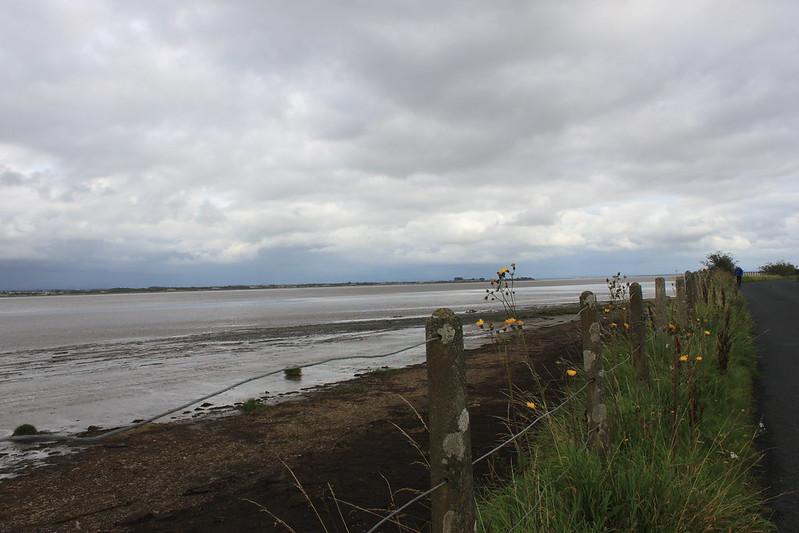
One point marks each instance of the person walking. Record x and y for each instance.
(739, 275)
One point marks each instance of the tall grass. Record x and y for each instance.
(682, 450)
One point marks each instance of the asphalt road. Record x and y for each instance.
(775, 309)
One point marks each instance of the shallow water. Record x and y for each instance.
(68, 362)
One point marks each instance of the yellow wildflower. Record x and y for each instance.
(684, 358)
(613, 325)
(503, 270)
(626, 325)
(571, 372)
(698, 357)
(707, 333)
(480, 323)
(531, 405)
(510, 321)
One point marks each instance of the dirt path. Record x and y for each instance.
(222, 474)
(774, 306)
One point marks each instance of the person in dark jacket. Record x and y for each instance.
(739, 275)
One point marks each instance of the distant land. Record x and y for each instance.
(137, 290)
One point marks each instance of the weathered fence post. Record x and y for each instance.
(592, 361)
(691, 296)
(638, 324)
(680, 311)
(450, 440)
(661, 314)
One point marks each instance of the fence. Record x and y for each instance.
(452, 488)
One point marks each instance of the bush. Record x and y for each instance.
(719, 260)
(780, 268)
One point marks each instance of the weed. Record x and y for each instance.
(253, 405)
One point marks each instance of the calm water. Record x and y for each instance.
(67, 362)
(52, 321)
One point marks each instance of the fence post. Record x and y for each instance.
(680, 309)
(691, 296)
(592, 362)
(638, 324)
(450, 437)
(661, 315)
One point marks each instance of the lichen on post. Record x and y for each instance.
(450, 436)
(597, 412)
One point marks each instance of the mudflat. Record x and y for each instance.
(354, 449)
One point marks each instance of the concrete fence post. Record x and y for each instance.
(691, 296)
(661, 313)
(450, 437)
(680, 311)
(638, 324)
(597, 411)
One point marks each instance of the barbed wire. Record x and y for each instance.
(58, 437)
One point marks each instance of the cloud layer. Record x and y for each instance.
(367, 139)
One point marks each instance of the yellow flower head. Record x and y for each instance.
(571, 372)
(613, 325)
(707, 333)
(684, 358)
(510, 321)
(626, 325)
(531, 405)
(698, 357)
(480, 323)
(503, 270)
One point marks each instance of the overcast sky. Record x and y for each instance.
(204, 142)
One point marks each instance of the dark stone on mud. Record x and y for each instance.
(206, 404)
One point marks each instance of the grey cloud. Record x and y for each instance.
(396, 136)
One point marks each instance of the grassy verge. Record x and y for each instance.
(682, 450)
(768, 277)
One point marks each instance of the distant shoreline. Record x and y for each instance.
(155, 289)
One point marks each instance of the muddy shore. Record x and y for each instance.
(349, 446)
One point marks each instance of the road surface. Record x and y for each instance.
(775, 308)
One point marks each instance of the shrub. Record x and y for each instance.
(780, 268)
(719, 260)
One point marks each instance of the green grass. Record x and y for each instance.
(251, 406)
(662, 474)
